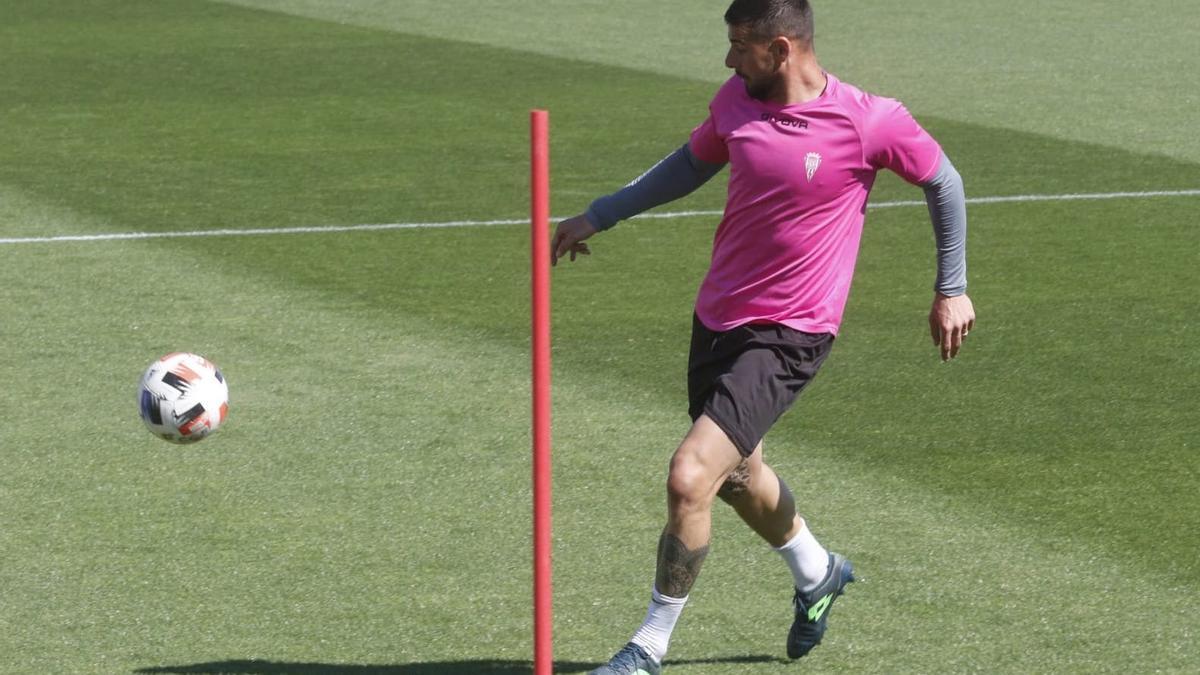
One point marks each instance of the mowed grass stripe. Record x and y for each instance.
(947, 66)
(207, 114)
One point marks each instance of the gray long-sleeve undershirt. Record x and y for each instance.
(681, 173)
(947, 202)
(676, 175)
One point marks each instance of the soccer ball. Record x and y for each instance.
(183, 398)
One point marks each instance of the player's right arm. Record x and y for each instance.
(677, 175)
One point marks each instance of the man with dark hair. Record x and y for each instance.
(803, 150)
(766, 19)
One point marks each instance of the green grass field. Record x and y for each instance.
(1030, 507)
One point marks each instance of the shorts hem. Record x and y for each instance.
(738, 443)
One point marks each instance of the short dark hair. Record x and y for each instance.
(768, 19)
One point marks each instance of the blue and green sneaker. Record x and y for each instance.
(812, 608)
(631, 660)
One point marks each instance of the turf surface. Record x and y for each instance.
(1030, 507)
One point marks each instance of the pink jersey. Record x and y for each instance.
(799, 177)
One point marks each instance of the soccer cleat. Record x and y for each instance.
(631, 660)
(812, 608)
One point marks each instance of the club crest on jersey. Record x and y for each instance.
(812, 161)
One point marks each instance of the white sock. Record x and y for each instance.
(808, 560)
(658, 625)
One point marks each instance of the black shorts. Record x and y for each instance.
(744, 379)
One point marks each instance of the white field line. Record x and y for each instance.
(325, 229)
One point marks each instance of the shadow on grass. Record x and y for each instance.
(252, 667)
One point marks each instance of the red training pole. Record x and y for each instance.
(543, 656)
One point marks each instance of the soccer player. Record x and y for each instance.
(803, 150)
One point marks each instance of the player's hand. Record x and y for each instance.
(950, 320)
(568, 238)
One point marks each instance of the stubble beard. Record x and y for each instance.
(760, 90)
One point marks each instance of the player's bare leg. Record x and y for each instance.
(765, 503)
(699, 466)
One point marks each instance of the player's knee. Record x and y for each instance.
(688, 482)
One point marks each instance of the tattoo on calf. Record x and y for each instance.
(678, 566)
(738, 482)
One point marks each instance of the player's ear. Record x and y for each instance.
(780, 48)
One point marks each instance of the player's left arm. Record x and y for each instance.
(952, 316)
(895, 141)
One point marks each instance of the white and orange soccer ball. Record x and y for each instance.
(183, 398)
